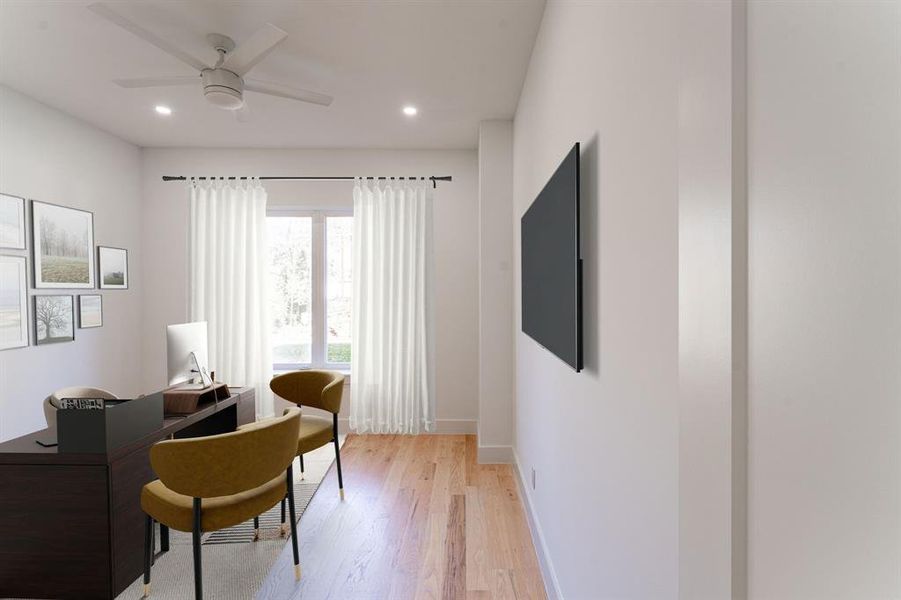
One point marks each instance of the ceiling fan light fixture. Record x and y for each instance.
(223, 88)
(223, 97)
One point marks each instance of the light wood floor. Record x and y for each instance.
(421, 519)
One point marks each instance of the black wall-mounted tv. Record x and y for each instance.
(552, 267)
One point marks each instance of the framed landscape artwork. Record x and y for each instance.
(113, 266)
(13, 302)
(63, 246)
(90, 311)
(12, 222)
(54, 319)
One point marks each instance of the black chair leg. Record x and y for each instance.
(284, 528)
(148, 553)
(301, 465)
(195, 534)
(290, 476)
(256, 528)
(337, 455)
(153, 545)
(164, 538)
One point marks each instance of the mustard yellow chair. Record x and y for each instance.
(316, 389)
(210, 483)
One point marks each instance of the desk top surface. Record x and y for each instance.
(26, 450)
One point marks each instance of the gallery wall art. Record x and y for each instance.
(63, 246)
(90, 311)
(112, 263)
(12, 222)
(54, 319)
(61, 250)
(13, 302)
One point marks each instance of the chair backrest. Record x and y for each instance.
(51, 402)
(318, 389)
(228, 463)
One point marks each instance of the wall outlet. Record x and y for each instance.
(533, 478)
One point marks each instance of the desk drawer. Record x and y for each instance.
(54, 531)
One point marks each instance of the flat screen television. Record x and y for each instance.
(552, 267)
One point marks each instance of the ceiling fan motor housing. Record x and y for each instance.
(223, 88)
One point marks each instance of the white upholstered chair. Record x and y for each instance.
(52, 402)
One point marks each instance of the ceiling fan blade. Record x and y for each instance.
(110, 15)
(284, 91)
(253, 50)
(144, 82)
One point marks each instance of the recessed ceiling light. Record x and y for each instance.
(410, 111)
(163, 110)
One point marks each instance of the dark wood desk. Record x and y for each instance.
(71, 525)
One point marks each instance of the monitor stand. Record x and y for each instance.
(205, 379)
(192, 386)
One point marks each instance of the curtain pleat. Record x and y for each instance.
(228, 282)
(393, 374)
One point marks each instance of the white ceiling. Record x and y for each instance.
(458, 61)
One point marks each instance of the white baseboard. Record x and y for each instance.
(495, 455)
(548, 574)
(442, 426)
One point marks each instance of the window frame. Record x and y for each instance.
(318, 283)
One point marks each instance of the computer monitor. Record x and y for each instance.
(186, 346)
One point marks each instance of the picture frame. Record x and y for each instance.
(12, 222)
(63, 240)
(54, 319)
(112, 268)
(13, 302)
(90, 311)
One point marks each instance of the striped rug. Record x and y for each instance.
(234, 566)
(269, 521)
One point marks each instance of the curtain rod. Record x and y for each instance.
(434, 179)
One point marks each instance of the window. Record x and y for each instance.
(310, 288)
(339, 285)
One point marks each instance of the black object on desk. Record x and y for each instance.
(89, 431)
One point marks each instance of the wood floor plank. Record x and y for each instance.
(421, 519)
(431, 575)
(477, 542)
(503, 588)
(455, 550)
(457, 482)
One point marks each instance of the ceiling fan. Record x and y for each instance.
(224, 83)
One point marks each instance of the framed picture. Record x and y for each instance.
(90, 311)
(12, 222)
(54, 319)
(13, 302)
(63, 246)
(113, 266)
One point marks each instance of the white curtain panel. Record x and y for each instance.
(392, 386)
(228, 282)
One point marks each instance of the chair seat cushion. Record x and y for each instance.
(177, 510)
(314, 433)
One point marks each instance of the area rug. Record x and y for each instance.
(234, 566)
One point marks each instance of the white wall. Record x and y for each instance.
(495, 291)
(165, 220)
(706, 105)
(645, 87)
(824, 129)
(48, 156)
